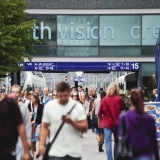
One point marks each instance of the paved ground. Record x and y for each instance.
(90, 148)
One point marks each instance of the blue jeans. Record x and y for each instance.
(143, 158)
(108, 142)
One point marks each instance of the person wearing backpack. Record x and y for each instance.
(140, 129)
(11, 126)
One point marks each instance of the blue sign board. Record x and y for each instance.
(81, 66)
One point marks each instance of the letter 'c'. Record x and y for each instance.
(132, 30)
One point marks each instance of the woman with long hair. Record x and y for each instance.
(75, 96)
(37, 111)
(140, 128)
(108, 116)
(54, 94)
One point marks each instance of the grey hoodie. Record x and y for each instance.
(27, 123)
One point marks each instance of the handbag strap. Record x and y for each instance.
(123, 126)
(59, 129)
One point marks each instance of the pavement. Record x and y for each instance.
(90, 148)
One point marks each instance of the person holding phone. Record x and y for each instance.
(68, 143)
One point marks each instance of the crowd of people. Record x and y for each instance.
(30, 119)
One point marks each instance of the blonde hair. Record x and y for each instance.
(16, 86)
(113, 89)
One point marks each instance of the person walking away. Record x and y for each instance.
(68, 143)
(45, 98)
(15, 93)
(108, 116)
(54, 94)
(11, 125)
(37, 112)
(99, 131)
(140, 128)
(86, 105)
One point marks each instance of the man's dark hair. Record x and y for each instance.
(102, 94)
(80, 86)
(63, 86)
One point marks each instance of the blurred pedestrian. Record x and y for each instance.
(140, 128)
(108, 114)
(36, 111)
(11, 126)
(80, 90)
(154, 95)
(45, 98)
(86, 105)
(68, 143)
(75, 96)
(99, 131)
(15, 92)
(54, 94)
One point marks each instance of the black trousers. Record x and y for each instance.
(7, 157)
(63, 158)
(89, 122)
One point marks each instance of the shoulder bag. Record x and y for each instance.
(49, 145)
(124, 150)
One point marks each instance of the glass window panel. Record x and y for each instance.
(148, 69)
(45, 30)
(77, 30)
(150, 29)
(44, 51)
(77, 51)
(120, 30)
(148, 51)
(120, 51)
(148, 77)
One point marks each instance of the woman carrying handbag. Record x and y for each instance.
(36, 109)
(140, 129)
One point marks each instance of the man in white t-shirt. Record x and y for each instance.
(68, 143)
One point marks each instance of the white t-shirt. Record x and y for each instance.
(68, 141)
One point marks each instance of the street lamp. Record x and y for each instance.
(79, 74)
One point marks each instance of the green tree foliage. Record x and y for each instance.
(16, 35)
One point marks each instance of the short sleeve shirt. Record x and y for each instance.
(68, 141)
(6, 132)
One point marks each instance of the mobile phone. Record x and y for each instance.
(63, 116)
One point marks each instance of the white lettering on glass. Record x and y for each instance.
(156, 31)
(144, 31)
(92, 32)
(63, 35)
(79, 30)
(132, 32)
(105, 32)
(34, 32)
(42, 31)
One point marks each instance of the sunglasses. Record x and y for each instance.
(55, 95)
(74, 95)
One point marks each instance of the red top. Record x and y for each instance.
(109, 111)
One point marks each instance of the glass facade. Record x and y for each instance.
(96, 35)
(148, 79)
